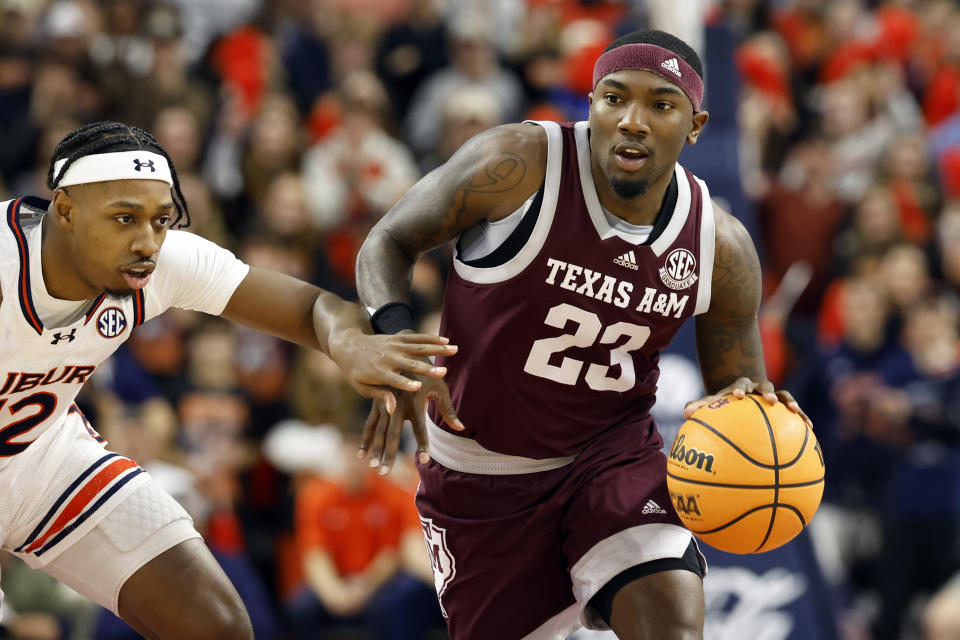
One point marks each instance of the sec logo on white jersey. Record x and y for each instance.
(111, 322)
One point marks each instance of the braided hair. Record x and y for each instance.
(108, 137)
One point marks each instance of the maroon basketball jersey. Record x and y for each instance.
(561, 342)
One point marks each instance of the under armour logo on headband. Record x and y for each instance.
(138, 164)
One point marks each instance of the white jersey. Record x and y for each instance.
(43, 367)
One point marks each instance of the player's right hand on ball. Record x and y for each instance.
(381, 432)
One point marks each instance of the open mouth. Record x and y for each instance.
(631, 156)
(137, 275)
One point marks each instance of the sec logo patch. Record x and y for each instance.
(679, 269)
(111, 322)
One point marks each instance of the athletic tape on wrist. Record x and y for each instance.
(392, 317)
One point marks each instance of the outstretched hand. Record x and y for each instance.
(381, 433)
(740, 388)
(372, 363)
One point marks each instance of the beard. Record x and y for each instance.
(120, 294)
(629, 189)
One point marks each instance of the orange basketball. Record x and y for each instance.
(745, 476)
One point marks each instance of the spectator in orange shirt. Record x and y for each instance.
(362, 549)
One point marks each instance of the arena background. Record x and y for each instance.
(295, 124)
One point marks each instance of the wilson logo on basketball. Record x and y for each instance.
(678, 270)
(111, 322)
(690, 456)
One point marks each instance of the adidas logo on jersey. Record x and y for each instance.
(671, 65)
(653, 507)
(627, 260)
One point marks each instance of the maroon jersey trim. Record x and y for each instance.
(678, 216)
(515, 265)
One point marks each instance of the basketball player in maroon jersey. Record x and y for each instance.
(581, 249)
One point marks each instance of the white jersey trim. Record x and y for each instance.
(559, 626)
(469, 456)
(480, 241)
(548, 208)
(622, 550)
(677, 218)
(708, 246)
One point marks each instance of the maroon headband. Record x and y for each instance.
(650, 57)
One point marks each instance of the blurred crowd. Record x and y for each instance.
(296, 124)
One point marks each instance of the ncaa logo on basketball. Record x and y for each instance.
(441, 560)
(678, 270)
(111, 322)
(686, 504)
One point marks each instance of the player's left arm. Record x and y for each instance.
(728, 334)
(288, 308)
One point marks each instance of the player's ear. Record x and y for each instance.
(699, 122)
(590, 99)
(63, 208)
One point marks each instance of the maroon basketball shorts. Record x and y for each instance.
(519, 555)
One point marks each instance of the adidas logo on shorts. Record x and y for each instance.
(671, 65)
(653, 507)
(627, 260)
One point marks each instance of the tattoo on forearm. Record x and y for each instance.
(729, 347)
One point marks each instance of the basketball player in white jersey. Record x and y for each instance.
(77, 275)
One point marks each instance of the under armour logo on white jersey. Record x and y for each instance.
(69, 337)
(140, 164)
(653, 507)
(671, 65)
(628, 260)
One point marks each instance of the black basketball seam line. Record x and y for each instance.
(732, 445)
(776, 472)
(803, 447)
(796, 511)
(746, 513)
(735, 520)
(708, 483)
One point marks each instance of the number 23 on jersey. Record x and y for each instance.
(588, 329)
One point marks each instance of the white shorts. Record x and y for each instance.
(142, 527)
(85, 515)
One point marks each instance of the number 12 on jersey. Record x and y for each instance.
(588, 328)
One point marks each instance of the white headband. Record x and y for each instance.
(120, 165)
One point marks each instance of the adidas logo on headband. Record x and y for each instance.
(649, 57)
(671, 65)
